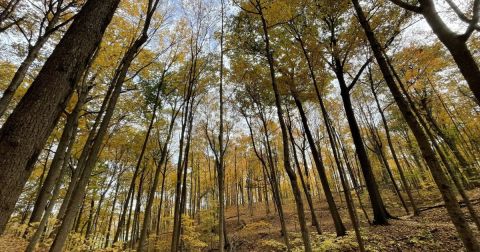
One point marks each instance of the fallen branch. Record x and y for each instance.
(462, 204)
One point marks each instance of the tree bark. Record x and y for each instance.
(110, 219)
(56, 10)
(148, 208)
(317, 157)
(306, 190)
(392, 149)
(26, 130)
(68, 136)
(380, 214)
(286, 153)
(453, 208)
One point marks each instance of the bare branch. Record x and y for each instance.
(407, 6)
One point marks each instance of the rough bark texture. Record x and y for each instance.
(54, 12)
(67, 137)
(25, 132)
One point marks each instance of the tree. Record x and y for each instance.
(28, 127)
(455, 43)
(258, 10)
(428, 153)
(57, 15)
(8, 15)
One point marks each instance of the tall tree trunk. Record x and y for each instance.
(306, 190)
(25, 132)
(138, 204)
(181, 164)
(90, 217)
(286, 152)
(221, 150)
(380, 214)
(60, 157)
(84, 155)
(112, 213)
(317, 158)
(162, 193)
(453, 208)
(100, 203)
(151, 196)
(392, 149)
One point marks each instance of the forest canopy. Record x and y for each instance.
(239, 125)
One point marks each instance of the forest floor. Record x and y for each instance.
(257, 231)
(431, 231)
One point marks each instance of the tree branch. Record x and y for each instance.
(407, 6)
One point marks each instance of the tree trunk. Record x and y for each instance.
(378, 150)
(110, 219)
(151, 195)
(317, 157)
(55, 194)
(25, 132)
(271, 176)
(286, 153)
(221, 150)
(392, 149)
(306, 190)
(181, 165)
(346, 190)
(162, 193)
(68, 136)
(455, 44)
(380, 214)
(453, 208)
(84, 155)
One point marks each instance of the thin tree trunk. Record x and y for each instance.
(55, 194)
(110, 220)
(317, 158)
(148, 208)
(67, 138)
(392, 149)
(221, 150)
(286, 153)
(306, 190)
(378, 149)
(272, 178)
(346, 191)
